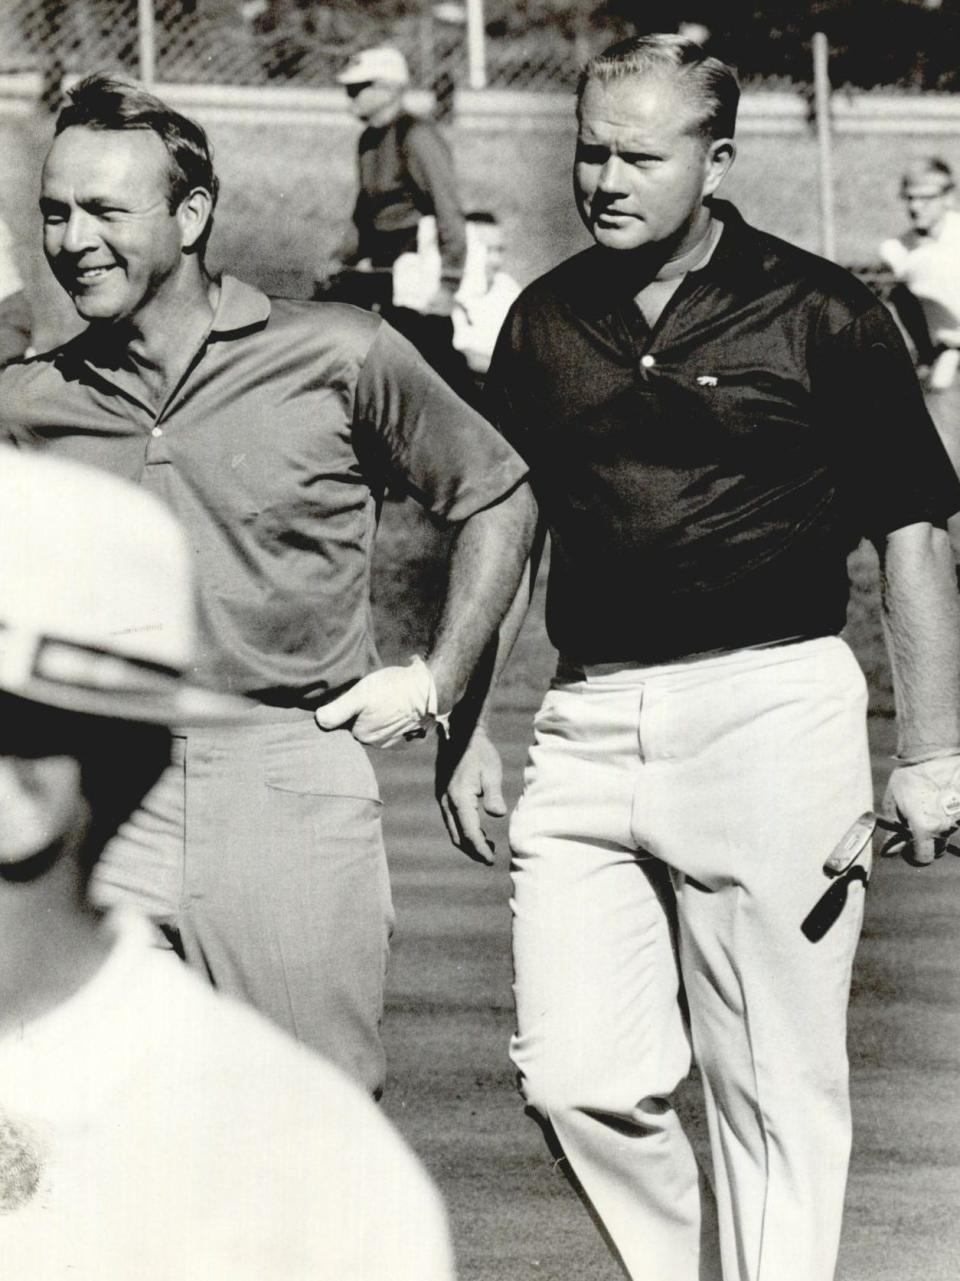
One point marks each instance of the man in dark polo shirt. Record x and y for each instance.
(271, 428)
(713, 419)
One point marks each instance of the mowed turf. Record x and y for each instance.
(451, 1088)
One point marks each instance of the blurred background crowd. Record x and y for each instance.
(536, 44)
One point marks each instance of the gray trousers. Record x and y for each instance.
(261, 848)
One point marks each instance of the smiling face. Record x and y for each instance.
(108, 232)
(642, 168)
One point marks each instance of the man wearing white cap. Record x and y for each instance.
(406, 180)
(147, 1124)
(272, 429)
(405, 173)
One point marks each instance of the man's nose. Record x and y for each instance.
(79, 232)
(611, 177)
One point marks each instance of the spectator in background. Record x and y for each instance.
(15, 318)
(486, 294)
(925, 260)
(405, 173)
(149, 1126)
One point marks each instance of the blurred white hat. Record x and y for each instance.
(382, 63)
(96, 596)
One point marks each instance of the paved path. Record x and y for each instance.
(452, 1091)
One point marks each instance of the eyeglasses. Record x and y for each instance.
(924, 197)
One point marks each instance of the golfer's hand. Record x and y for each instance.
(468, 778)
(926, 799)
(387, 708)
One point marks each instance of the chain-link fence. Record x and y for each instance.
(275, 42)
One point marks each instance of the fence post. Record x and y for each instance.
(476, 45)
(821, 88)
(146, 43)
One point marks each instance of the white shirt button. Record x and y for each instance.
(648, 361)
(156, 431)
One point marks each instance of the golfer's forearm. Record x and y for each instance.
(921, 613)
(486, 565)
(475, 708)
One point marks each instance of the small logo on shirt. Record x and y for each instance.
(706, 380)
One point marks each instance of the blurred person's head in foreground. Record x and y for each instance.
(376, 80)
(96, 639)
(127, 199)
(926, 189)
(656, 118)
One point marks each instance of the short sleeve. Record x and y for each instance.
(894, 467)
(425, 437)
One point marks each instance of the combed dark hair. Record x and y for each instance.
(103, 102)
(712, 84)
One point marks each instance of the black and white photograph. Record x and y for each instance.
(479, 640)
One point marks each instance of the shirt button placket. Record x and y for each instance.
(157, 445)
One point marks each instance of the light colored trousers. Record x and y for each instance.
(261, 847)
(669, 842)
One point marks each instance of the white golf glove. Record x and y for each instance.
(389, 707)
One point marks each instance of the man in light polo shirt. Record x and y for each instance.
(272, 429)
(713, 419)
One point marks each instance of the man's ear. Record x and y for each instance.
(720, 156)
(193, 214)
(41, 802)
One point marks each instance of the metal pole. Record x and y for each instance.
(428, 54)
(146, 42)
(821, 88)
(476, 45)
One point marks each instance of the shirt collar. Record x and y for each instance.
(240, 308)
(610, 279)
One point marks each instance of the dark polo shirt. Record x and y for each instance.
(274, 452)
(703, 481)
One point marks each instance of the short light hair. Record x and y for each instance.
(711, 84)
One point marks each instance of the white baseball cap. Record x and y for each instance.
(383, 64)
(96, 596)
